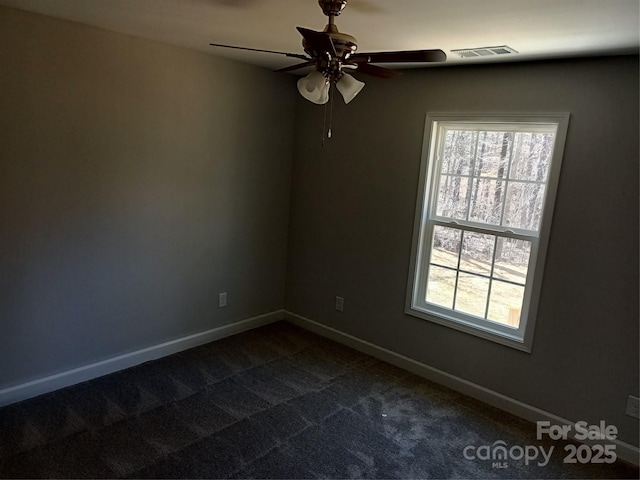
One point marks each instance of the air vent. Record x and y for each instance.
(483, 51)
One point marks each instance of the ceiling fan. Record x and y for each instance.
(333, 53)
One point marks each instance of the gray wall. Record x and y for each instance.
(137, 180)
(352, 216)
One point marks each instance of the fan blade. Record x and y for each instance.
(409, 56)
(318, 41)
(376, 71)
(295, 67)
(293, 55)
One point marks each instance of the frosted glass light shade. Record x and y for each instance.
(349, 87)
(314, 87)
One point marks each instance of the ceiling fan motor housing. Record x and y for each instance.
(345, 45)
(332, 7)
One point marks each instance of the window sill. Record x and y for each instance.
(485, 330)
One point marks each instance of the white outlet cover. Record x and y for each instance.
(222, 299)
(633, 406)
(339, 304)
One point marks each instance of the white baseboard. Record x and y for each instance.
(624, 451)
(120, 362)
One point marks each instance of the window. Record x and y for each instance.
(483, 216)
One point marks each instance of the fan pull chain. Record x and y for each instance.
(328, 105)
(324, 122)
(330, 114)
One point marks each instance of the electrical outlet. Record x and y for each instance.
(222, 299)
(340, 304)
(632, 407)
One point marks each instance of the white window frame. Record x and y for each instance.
(520, 338)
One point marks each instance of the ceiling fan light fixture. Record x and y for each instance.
(349, 87)
(314, 87)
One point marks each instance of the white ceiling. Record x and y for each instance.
(536, 29)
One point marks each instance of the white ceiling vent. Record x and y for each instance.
(483, 51)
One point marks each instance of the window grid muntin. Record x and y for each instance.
(490, 277)
(506, 177)
(515, 180)
(493, 266)
(472, 178)
(507, 232)
(432, 219)
(487, 276)
(472, 169)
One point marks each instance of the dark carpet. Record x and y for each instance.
(275, 402)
